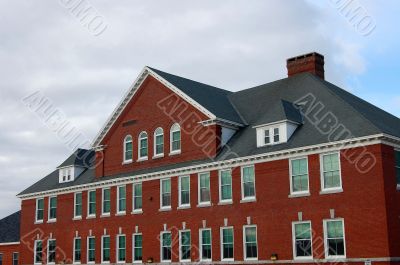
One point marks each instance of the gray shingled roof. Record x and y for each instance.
(81, 157)
(266, 103)
(9, 228)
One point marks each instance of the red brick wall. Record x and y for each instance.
(7, 252)
(364, 205)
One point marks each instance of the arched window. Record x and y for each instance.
(158, 142)
(143, 145)
(175, 138)
(128, 149)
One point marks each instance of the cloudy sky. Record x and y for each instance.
(84, 70)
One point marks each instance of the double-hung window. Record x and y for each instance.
(397, 166)
(205, 244)
(137, 247)
(335, 246)
(78, 205)
(175, 138)
(227, 243)
(92, 203)
(158, 142)
(38, 252)
(39, 210)
(106, 203)
(225, 186)
(105, 252)
(121, 248)
(15, 259)
(137, 197)
(299, 176)
(276, 135)
(204, 188)
(121, 201)
(77, 250)
(128, 155)
(143, 146)
(91, 249)
(166, 246)
(248, 183)
(331, 177)
(250, 248)
(52, 208)
(267, 138)
(184, 245)
(184, 191)
(51, 251)
(165, 193)
(302, 240)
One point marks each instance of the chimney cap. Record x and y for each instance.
(303, 56)
(312, 62)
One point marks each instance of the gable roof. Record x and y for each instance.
(9, 228)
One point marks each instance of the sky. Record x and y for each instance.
(84, 65)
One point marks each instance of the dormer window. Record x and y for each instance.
(66, 174)
(275, 133)
(267, 139)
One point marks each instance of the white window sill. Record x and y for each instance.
(141, 159)
(225, 202)
(120, 214)
(127, 162)
(309, 259)
(105, 215)
(38, 222)
(139, 211)
(173, 153)
(245, 200)
(105, 262)
(183, 207)
(165, 209)
(228, 260)
(335, 258)
(331, 191)
(250, 259)
(121, 262)
(166, 261)
(158, 156)
(185, 260)
(137, 262)
(205, 260)
(51, 221)
(77, 218)
(298, 195)
(91, 217)
(76, 263)
(207, 204)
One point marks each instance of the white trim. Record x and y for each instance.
(88, 215)
(155, 154)
(48, 251)
(186, 205)
(201, 243)
(244, 243)
(124, 160)
(35, 253)
(87, 250)
(51, 220)
(133, 248)
(321, 164)
(249, 198)
(77, 217)
(118, 211)
(225, 201)
(102, 249)
(309, 258)
(199, 202)
(327, 256)
(102, 202)
(37, 221)
(161, 247)
(146, 137)
(221, 246)
(9, 243)
(139, 210)
(73, 250)
(161, 193)
(180, 245)
(294, 194)
(274, 123)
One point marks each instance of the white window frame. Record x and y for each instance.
(89, 215)
(118, 197)
(138, 210)
(161, 246)
(396, 167)
(37, 211)
(321, 163)
(201, 243)
(102, 249)
(48, 251)
(225, 201)
(171, 131)
(143, 158)
(244, 242)
(74, 250)
(180, 245)
(75, 215)
(325, 221)
(102, 202)
(295, 257)
(125, 161)
(249, 198)
(49, 220)
(276, 134)
(13, 257)
(168, 207)
(204, 203)
(157, 155)
(307, 192)
(269, 136)
(222, 243)
(117, 248)
(186, 205)
(87, 250)
(35, 253)
(133, 248)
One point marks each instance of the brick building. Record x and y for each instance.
(293, 171)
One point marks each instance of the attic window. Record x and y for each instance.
(266, 137)
(276, 135)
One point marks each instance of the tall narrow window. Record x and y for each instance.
(166, 246)
(92, 203)
(158, 142)
(52, 208)
(15, 258)
(143, 145)
(397, 166)
(184, 245)
(137, 197)
(128, 154)
(106, 201)
(248, 183)
(39, 210)
(267, 138)
(175, 138)
(78, 205)
(1, 259)
(51, 251)
(105, 253)
(302, 240)
(227, 243)
(77, 250)
(225, 185)
(184, 191)
(121, 248)
(121, 202)
(166, 193)
(276, 135)
(250, 242)
(137, 247)
(205, 244)
(334, 238)
(331, 179)
(299, 176)
(91, 250)
(38, 251)
(204, 188)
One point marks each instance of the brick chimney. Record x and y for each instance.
(311, 63)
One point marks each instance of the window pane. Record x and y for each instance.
(335, 247)
(185, 245)
(121, 199)
(227, 242)
(137, 247)
(226, 185)
(335, 229)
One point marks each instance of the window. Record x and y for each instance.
(248, 183)
(105, 252)
(77, 250)
(52, 208)
(250, 242)
(15, 257)
(397, 166)
(137, 197)
(184, 191)
(276, 135)
(175, 138)
(225, 186)
(78, 205)
(106, 202)
(137, 247)
(205, 244)
(335, 246)
(331, 179)
(166, 193)
(184, 245)
(166, 246)
(51, 251)
(121, 248)
(302, 242)
(121, 202)
(91, 247)
(1, 259)
(267, 138)
(143, 145)
(158, 142)
(128, 154)
(299, 176)
(39, 210)
(204, 188)
(227, 243)
(38, 251)
(92, 203)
